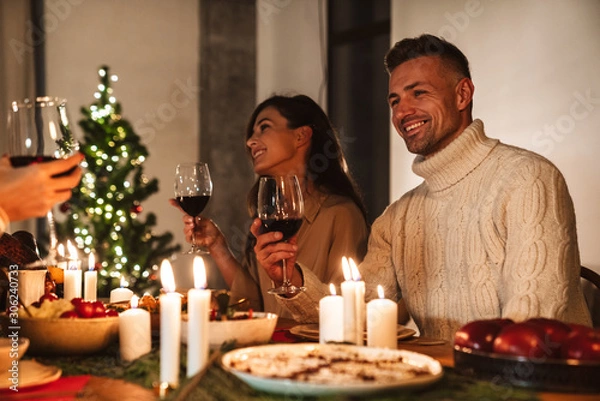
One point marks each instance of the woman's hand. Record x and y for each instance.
(31, 191)
(206, 233)
(270, 251)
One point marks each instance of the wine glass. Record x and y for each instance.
(281, 208)
(193, 188)
(38, 132)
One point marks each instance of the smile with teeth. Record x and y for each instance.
(258, 153)
(414, 126)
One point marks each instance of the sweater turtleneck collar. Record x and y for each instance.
(455, 161)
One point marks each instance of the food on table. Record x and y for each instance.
(537, 338)
(50, 306)
(480, 334)
(329, 365)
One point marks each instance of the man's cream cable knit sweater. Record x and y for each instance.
(489, 233)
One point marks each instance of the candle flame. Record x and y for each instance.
(123, 282)
(166, 276)
(332, 289)
(91, 261)
(199, 273)
(354, 270)
(61, 250)
(346, 269)
(134, 301)
(380, 291)
(72, 250)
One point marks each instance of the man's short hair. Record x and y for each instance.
(427, 45)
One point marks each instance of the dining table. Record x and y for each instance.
(105, 377)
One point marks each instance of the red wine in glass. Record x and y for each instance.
(193, 205)
(193, 188)
(22, 161)
(280, 207)
(287, 227)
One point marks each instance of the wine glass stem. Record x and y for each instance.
(286, 283)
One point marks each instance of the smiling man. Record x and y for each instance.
(490, 232)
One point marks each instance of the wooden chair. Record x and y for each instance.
(592, 294)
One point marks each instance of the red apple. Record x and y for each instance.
(556, 333)
(48, 296)
(111, 313)
(85, 309)
(479, 334)
(76, 301)
(99, 310)
(70, 314)
(522, 339)
(579, 328)
(583, 345)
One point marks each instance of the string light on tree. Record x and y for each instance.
(105, 211)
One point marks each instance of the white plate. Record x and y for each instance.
(275, 369)
(311, 332)
(30, 374)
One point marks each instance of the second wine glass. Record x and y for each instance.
(38, 132)
(193, 189)
(281, 208)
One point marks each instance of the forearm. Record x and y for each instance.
(228, 265)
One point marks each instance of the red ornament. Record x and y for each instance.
(137, 208)
(65, 207)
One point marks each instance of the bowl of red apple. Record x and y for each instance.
(55, 326)
(540, 353)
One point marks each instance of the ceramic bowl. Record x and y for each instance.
(66, 336)
(11, 350)
(257, 330)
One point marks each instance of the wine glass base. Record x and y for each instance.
(289, 289)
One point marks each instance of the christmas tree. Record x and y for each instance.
(103, 214)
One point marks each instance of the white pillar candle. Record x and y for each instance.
(134, 332)
(121, 294)
(198, 306)
(331, 318)
(90, 282)
(170, 327)
(360, 302)
(349, 296)
(382, 321)
(72, 278)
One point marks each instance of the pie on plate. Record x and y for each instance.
(323, 369)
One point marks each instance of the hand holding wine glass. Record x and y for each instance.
(280, 208)
(39, 132)
(193, 188)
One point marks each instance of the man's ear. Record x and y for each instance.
(304, 135)
(464, 93)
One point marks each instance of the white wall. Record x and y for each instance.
(152, 46)
(291, 48)
(535, 68)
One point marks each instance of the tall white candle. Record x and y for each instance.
(198, 317)
(72, 278)
(90, 282)
(134, 332)
(170, 327)
(121, 294)
(349, 295)
(382, 321)
(360, 302)
(331, 317)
